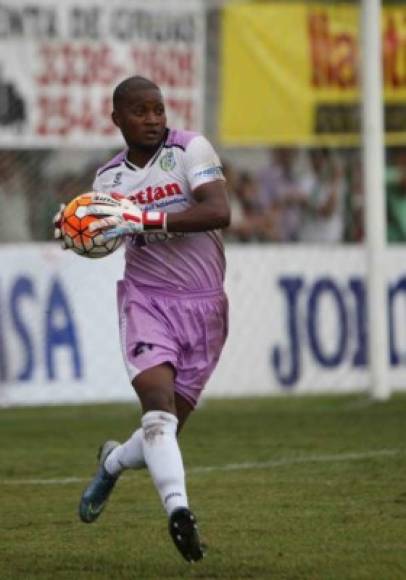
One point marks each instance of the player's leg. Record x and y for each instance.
(139, 329)
(127, 455)
(183, 410)
(156, 390)
(114, 458)
(205, 326)
(130, 454)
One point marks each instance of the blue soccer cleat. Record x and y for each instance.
(95, 496)
(183, 529)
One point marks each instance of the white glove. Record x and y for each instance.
(108, 201)
(125, 218)
(57, 221)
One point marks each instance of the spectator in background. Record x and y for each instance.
(64, 188)
(58, 189)
(323, 218)
(280, 192)
(396, 194)
(69, 185)
(249, 221)
(56, 176)
(15, 223)
(354, 200)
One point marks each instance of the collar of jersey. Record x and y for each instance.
(153, 158)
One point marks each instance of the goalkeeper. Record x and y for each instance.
(167, 195)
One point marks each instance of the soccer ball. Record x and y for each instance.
(75, 232)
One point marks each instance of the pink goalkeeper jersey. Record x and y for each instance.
(172, 262)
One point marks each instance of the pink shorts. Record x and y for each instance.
(188, 332)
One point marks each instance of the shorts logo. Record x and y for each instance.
(167, 161)
(142, 347)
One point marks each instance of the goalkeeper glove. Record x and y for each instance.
(57, 221)
(125, 218)
(104, 199)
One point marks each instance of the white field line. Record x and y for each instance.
(233, 466)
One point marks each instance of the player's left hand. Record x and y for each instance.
(125, 218)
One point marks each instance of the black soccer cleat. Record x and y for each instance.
(183, 529)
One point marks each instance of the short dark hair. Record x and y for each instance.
(130, 84)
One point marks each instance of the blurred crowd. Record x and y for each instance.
(33, 185)
(299, 195)
(312, 196)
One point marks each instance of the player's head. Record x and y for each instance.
(139, 112)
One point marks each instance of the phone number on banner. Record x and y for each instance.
(74, 83)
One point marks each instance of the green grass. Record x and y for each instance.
(319, 501)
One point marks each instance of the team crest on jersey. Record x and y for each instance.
(117, 178)
(167, 161)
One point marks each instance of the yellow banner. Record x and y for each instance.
(290, 74)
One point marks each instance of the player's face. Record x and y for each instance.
(141, 118)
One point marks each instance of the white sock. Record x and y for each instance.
(163, 458)
(129, 455)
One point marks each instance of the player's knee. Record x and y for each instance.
(156, 424)
(156, 390)
(156, 399)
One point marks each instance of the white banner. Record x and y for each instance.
(297, 324)
(60, 61)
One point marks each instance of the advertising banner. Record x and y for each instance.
(298, 324)
(60, 61)
(293, 70)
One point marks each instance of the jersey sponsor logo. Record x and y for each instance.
(141, 240)
(151, 194)
(214, 172)
(167, 161)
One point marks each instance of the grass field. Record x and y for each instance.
(285, 488)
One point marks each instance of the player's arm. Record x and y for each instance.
(211, 209)
(210, 212)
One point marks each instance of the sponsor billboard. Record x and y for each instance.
(60, 61)
(298, 324)
(293, 70)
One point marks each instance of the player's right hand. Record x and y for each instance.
(107, 200)
(57, 221)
